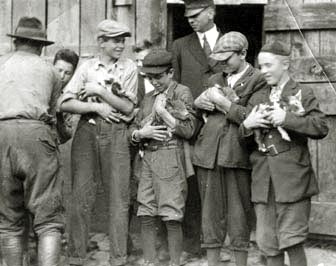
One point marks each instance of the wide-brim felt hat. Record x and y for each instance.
(31, 28)
(194, 7)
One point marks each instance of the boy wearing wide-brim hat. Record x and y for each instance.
(283, 180)
(163, 185)
(222, 163)
(100, 149)
(29, 166)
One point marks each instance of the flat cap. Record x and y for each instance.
(277, 48)
(112, 28)
(156, 61)
(193, 7)
(229, 43)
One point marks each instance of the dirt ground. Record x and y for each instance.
(319, 253)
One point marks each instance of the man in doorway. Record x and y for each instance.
(29, 168)
(100, 154)
(193, 67)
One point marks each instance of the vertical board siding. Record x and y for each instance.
(92, 12)
(5, 25)
(63, 25)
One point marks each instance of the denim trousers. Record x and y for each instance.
(100, 156)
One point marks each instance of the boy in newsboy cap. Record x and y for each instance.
(100, 151)
(162, 186)
(223, 168)
(283, 180)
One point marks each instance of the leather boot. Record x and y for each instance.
(12, 250)
(49, 249)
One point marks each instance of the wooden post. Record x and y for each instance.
(151, 21)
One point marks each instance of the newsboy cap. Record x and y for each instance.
(229, 43)
(31, 28)
(112, 28)
(194, 7)
(277, 48)
(156, 61)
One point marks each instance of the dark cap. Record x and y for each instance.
(112, 28)
(31, 28)
(277, 48)
(194, 7)
(157, 61)
(229, 43)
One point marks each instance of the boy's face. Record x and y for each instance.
(114, 47)
(65, 70)
(234, 63)
(272, 67)
(161, 81)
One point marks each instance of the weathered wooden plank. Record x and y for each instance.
(63, 25)
(222, 2)
(327, 164)
(123, 2)
(91, 14)
(5, 25)
(322, 218)
(327, 42)
(151, 26)
(326, 95)
(306, 16)
(126, 15)
(35, 8)
(306, 69)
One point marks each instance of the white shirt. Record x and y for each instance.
(233, 78)
(211, 36)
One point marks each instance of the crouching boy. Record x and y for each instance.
(164, 122)
(283, 180)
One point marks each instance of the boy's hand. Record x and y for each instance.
(214, 94)
(256, 119)
(276, 116)
(107, 112)
(153, 132)
(91, 89)
(203, 102)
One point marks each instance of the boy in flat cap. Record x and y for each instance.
(193, 67)
(100, 150)
(161, 127)
(223, 167)
(29, 166)
(283, 180)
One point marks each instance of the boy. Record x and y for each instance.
(162, 188)
(223, 169)
(100, 148)
(283, 180)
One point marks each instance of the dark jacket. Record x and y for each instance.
(218, 141)
(192, 68)
(287, 164)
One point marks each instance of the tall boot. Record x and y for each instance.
(49, 249)
(12, 250)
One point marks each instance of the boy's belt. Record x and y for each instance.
(163, 145)
(275, 149)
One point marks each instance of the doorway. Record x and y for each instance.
(247, 19)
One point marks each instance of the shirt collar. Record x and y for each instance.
(211, 35)
(282, 84)
(118, 64)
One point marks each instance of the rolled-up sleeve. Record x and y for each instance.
(130, 82)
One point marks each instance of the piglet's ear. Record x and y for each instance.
(298, 95)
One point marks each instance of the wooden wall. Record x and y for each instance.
(314, 64)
